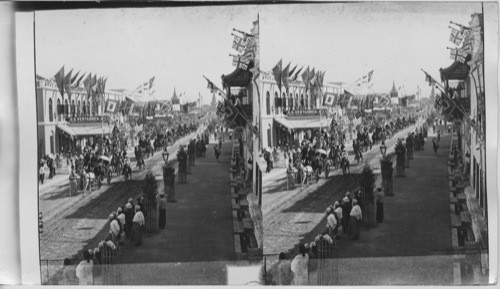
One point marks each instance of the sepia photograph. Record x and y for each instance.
(306, 144)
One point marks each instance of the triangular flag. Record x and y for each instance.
(305, 77)
(60, 80)
(292, 71)
(284, 77)
(277, 70)
(67, 83)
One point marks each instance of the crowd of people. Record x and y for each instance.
(317, 154)
(344, 217)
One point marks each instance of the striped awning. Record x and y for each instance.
(304, 123)
(86, 129)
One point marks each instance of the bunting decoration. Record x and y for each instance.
(60, 80)
(277, 70)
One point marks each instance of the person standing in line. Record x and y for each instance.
(129, 216)
(355, 218)
(84, 270)
(300, 267)
(114, 228)
(379, 194)
(338, 210)
(41, 173)
(69, 274)
(217, 152)
(284, 270)
(162, 207)
(137, 224)
(331, 222)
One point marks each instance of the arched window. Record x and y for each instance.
(302, 101)
(276, 102)
(78, 108)
(268, 103)
(284, 101)
(59, 110)
(290, 101)
(73, 108)
(51, 110)
(84, 108)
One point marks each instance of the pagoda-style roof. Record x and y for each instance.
(238, 78)
(456, 71)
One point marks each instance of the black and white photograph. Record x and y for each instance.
(373, 143)
(146, 174)
(250, 143)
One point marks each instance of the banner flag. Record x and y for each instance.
(60, 80)
(284, 77)
(305, 77)
(111, 106)
(277, 70)
(67, 83)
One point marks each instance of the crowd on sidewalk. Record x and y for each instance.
(344, 217)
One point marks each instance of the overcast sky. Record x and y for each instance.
(180, 45)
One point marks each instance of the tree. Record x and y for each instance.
(150, 190)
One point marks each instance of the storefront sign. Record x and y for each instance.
(88, 119)
(307, 112)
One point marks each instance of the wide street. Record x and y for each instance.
(78, 222)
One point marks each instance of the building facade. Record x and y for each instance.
(286, 116)
(66, 123)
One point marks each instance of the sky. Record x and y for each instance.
(179, 45)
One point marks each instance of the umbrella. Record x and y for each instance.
(321, 151)
(51, 156)
(104, 158)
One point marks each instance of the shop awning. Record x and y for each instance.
(456, 71)
(85, 130)
(303, 123)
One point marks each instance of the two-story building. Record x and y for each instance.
(67, 123)
(464, 83)
(288, 116)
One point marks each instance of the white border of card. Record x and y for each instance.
(28, 195)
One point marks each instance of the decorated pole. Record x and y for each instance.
(386, 168)
(400, 158)
(182, 158)
(150, 190)
(169, 182)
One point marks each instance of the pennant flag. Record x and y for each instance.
(305, 77)
(297, 73)
(67, 83)
(93, 83)
(370, 76)
(347, 98)
(79, 80)
(151, 82)
(111, 106)
(255, 29)
(292, 71)
(311, 75)
(73, 79)
(284, 77)
(211, 86)
(456, 36)
(239, 44)
(60, 80)
(329, 99)
(277, 70)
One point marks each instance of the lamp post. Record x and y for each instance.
(386, 168)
